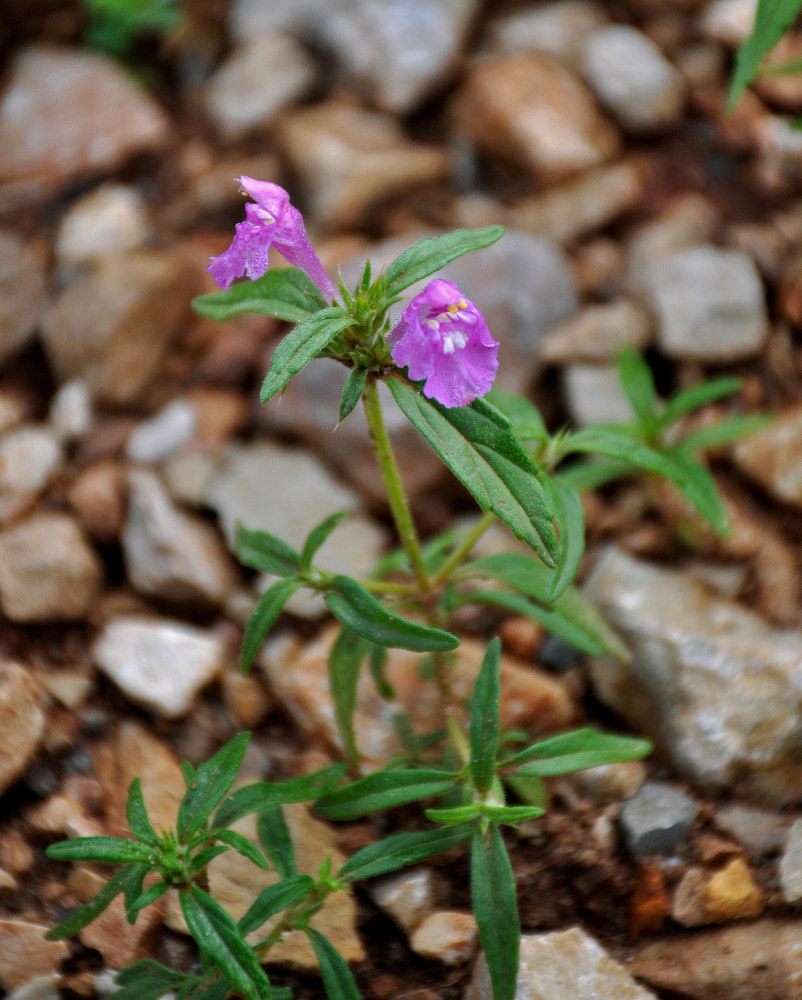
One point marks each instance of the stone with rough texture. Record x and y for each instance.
(791, 865)
(657, 818)
(299, 677)
(633, 79)
(159, 663)
(773, 457)
(450, 937)
(97, 497)
(564, 965)
(39, 988)
(745, 962)
(112, 327)
(171, 554)
(594, 395)
(111, 219)
(730, 893)
(164, 433)
(407, 896)
(48, 572)
(715, 686)
(22, 720)
(532, 110)
(556, 28)
(90, 116)
(250, 17)
(423, 36)
(260, 77)
(71, 412)
(597, 333)
(349, 159)
(23, 292)
(24, 953)
(30, 457)
(709, 303)
(235, 882)
(761, 831)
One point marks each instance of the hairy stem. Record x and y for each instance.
(396, 495)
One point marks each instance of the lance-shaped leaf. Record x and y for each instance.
(773, 17)
(146, 898)
(108, 850)
(400, 850)
(432, 253)
(242, 846)
(484, 723)
(317, 536)
(302, 344)
(496, 910)
(209, 784)
(137, 814)
(273, 900)
(358, 610)
(285, 293)
(479, 446)
(265, 552)
(254, 798)
(148, 980)
(569, 516)
(352, 392)
(697, 396)
(637, 382)
(345, 661)
(575, 751)
(219, 938)
(384, 790)
(268, 608)
(85, 914)
(274, 836)
(337, 978)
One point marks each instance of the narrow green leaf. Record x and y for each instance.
(274, 836)
(496, 910)
(134, 883)
(85, 914)
(531, 790)
(400, 850)
(773, 17)
(300, 345)
(137, 814)
(268, 608)
(273, 900)
(265, 552)
(590, 475)
(484, 722)
(352, 392)
(637, 382)
(384, 790)
(337, 978)
(317, 536)
(431, 254)
(148, 980)
(575, 751)
(455, 815)
(219, 938)
(377, 661)
(345, 661)
(512, 814)
(254, 798)
(699, 486)
(205, 857)
(727, 431)
(524, 416)
(569, 515)
(697, 396)
(480, 450)
(146, 898)
(107, 850)
(358, 610)
(210, 784)
(242, 846)
(285, 293)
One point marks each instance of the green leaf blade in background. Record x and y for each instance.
(352, 392)
(264, 617)
(137, 814)
(266, 553)
(345, 662)
(637, 382)
(338, 980)
(273, 900)
(358, 610)
(494, 467)
(384, 790)
(209, 786)
(432, 253)
(263, 794)
(569, 516)
(147, 980)
(496, 910)
(301, 345)
(284, 292)
(484, 720)
(317, 537)
(773, 17)
(275, 838)
(576, 751)
(400, 850)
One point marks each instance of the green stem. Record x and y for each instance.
(396, 496)
(464, 547)
(389, 587)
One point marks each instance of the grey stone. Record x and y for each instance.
(773, 457)
(111, 219)
(593, 395)
(761, 831)
(397, 52)
(558, 29)
(159, 663)
(633, 79)
(30, 457)
(40, 988)
(70, 112)
(728, 21)
(259, 78)
(564, 965)
(171, 554)
(250, 17)
(760, 959)
(657, 818)
(22, 720)
(48, 571)
(791, 865)
(164, 433)
(23, 292)
(710, 305)
(715, 686)
(597, 333)
(407, 897)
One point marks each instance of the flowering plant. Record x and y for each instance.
(438, 361)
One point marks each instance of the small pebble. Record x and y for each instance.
(657, 818)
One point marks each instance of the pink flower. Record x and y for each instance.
(444, 339)
(271, 221)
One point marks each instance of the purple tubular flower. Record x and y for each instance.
(443, 338)
(271, 221)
